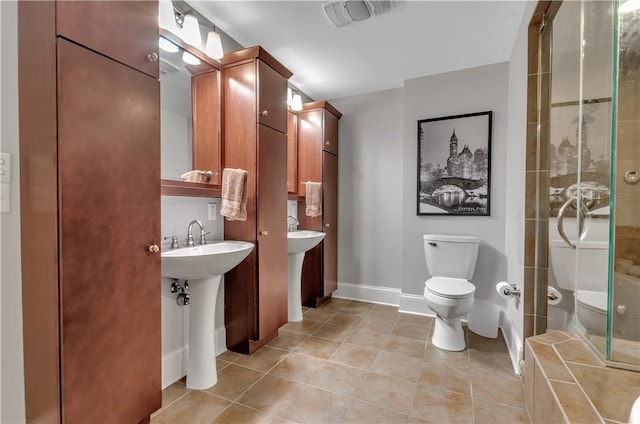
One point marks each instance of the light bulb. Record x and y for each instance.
(167, 45)
(214, 46)
(190, 59)
(191, 31)
(296, 102)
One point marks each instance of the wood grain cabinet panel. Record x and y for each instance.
(126, 31)
(256, 290)
(318, 161)
(292, 152)
(205, 94)
(90, 208)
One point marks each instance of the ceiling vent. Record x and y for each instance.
(342, 13)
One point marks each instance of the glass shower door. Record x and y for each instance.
(580, 161)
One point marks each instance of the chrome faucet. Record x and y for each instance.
(190, 242)
(293, 226)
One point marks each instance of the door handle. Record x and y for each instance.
(581, 211)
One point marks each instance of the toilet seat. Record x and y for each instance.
(451, 288)
(593, 300)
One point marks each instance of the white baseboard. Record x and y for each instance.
(366, 293)
(174, 366)
(512, 339)
(174, 363)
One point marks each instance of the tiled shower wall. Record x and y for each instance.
(536, 267)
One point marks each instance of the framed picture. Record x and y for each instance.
(454, 158)
(587, 160)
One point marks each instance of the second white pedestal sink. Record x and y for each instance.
(203, 266)
(298, 242)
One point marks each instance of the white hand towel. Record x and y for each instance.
(234, 194)
(313, 199)
(191, 176)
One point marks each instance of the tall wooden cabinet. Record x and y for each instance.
(255, 126)
(90, 210)
(318, 161)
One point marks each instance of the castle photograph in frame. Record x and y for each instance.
(454, 158)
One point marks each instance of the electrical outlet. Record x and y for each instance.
(212, 211)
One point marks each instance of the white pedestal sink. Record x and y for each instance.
(203, 266)
(298, 242)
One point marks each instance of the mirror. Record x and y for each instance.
(190, 119)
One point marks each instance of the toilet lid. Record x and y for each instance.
(592, 299)
(453, 288)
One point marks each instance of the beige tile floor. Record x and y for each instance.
(355, 362)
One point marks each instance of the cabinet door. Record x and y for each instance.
(330, 200)
(292, 152)
(309, 151)
(205, 93)
(109, 188)
(272, 231)
(272, 98)
(126, 31)
(330, 132)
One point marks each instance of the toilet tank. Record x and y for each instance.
(589, 272)
(451, 256)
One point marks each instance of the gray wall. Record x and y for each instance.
(11, 363)
(471, 90)
(370, 175)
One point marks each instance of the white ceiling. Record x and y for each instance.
(414, 39)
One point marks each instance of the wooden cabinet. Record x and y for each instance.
(255, 105)
(318, 161)
(292, 152)
(126, 31)
(205, 93)
(90, 209)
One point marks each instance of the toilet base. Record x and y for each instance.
(448, 334)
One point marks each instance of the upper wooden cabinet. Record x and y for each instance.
(292, 152)
(318, 162)
(255, 92)
(126, 31)
(205, 92)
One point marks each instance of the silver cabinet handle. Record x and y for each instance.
(582, 211)
(264, 113)
(152, 57)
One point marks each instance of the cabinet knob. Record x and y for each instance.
(264, 113)
(327, 225)
(152, 57)
(264, 233)
(153, 248)
(327, 143)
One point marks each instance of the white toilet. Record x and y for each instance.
(451, 261)
(591, 274)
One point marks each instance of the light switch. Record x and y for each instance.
(5, 167)
(5, 197)
(212, 211)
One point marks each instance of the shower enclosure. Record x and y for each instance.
(588, 98)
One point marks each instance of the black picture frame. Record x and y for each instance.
(454, 165)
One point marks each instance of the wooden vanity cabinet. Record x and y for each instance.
(90, 225)
(318, 161)
(255, 105)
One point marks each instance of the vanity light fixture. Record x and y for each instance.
(629, 6)
(190, 59)
(167, 45)
(213, 48)
(191, 31)
(296, 103)
(167, 17)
